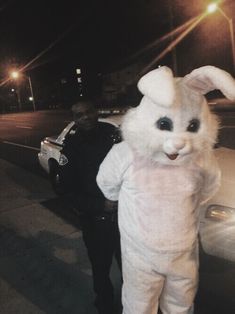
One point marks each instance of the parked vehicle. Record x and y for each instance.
(221, 104)
(49, 155)
(217, 225)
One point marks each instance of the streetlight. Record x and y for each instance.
(15, 75)
(211, 8)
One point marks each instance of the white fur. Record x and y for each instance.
(160, 175)
(148, 85)
(208, 78)
(183, 104)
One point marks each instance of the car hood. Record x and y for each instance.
(226, 159)
(53, 139)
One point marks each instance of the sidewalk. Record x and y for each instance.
(43, 261)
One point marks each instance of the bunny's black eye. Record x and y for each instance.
(164, 124)
(193, 126)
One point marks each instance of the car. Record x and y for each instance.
(221, 104)
(217, 224)
(49, 156)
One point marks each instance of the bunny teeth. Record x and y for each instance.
(173, 156)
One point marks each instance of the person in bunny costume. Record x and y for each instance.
(161, 174)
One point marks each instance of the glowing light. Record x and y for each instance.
(15, 74)
(31, 98)
(212, 7)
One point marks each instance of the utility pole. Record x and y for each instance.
(31, 91)
(173, 52)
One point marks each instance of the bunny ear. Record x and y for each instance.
(158, 85)
(208, 78)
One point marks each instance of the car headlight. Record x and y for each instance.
(220, 213)
(63, 160)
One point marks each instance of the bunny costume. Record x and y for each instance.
(160, 174)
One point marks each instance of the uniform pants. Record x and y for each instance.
(102, 240)
(153, 280)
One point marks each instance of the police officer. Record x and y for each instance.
(83, 151)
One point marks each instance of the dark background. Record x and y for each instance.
(50, 39)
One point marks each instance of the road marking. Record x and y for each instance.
(23, 127)
(7, 119)
(20, 145)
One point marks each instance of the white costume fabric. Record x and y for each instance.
(160, 174)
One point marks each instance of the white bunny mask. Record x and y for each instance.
(173, 124)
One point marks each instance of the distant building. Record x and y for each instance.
(119, 86)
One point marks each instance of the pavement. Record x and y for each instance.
(43, 262)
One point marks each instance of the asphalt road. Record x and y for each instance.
(20, 136)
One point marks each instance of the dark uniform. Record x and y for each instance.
(85, 150)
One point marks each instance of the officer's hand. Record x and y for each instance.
(110, 206)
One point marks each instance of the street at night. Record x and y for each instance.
(44, 267)
(77, 77)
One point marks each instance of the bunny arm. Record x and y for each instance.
(112, 169)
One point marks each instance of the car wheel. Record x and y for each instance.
(55, 178)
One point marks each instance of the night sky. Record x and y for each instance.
(95, 32)
(101, 34)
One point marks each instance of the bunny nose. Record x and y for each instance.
(179, 144)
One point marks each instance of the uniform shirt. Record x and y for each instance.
(85, 150)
